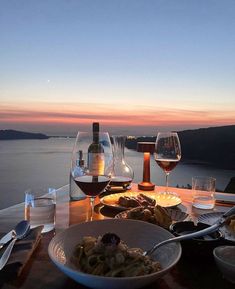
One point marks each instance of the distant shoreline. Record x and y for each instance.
(213, 146)
(10, 134)
(21, 135)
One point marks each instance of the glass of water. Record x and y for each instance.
(41, 210)
(203, 192)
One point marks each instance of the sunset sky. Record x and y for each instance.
(135, 66)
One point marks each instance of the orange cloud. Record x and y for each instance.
(111, 115)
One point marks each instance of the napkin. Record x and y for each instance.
(21, 253)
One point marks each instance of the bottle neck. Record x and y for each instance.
(80, 159)
(95, 130)
(96, 137)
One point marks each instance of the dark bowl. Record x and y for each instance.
(197, 247)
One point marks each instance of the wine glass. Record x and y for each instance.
(92, 164)
(167, 152)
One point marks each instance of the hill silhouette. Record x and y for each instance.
(10, 134)
(213, 146)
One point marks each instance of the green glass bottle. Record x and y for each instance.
(96, 153)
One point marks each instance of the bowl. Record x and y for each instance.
(133, 233)
(225, 260)
(201, 246)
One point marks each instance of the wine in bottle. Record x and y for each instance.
(96, 153)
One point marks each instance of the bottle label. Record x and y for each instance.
(96, 163)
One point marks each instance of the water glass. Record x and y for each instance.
(41, 210)
(203, 192)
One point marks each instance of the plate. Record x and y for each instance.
(132, 232)
(165, 200)
(211, 218)
(175, 214)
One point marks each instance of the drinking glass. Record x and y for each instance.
(41, 210)
(167, 152)
(203, 192)
(92, 165)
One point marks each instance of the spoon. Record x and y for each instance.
(5, 239)
(220, 222)
(20, 231)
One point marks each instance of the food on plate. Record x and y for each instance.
(142, 214)
(162, 217)
(156, 215)
(231, 223)
(139, 200)
(110, 257)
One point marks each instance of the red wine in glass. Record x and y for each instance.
(92, 186)
(167, 165)
(167, 152)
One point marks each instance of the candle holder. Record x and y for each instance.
(147, 148)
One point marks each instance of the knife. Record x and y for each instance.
(6, 238)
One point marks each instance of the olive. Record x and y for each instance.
(110, 239)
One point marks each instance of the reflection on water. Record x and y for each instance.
(39, 164)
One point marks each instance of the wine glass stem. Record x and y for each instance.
(167, 182)
(92, 200)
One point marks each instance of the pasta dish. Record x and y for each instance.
(110, 257)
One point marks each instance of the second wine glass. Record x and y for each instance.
(92, 164)
(167, 152)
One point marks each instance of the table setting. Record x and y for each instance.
(102, 200)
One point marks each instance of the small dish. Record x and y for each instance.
(203, 245)
(225, 260)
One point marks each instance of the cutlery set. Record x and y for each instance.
(19, 232)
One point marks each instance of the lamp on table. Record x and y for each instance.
(147, 148)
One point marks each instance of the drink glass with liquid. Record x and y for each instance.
(203, 192)
(41, 210)
(92, 164)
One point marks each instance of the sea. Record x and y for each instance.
(42, 164)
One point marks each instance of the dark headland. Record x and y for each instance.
(10, 134)
(213, 146)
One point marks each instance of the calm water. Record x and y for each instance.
(39, 164)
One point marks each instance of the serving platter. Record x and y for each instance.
(211, 218)
(165, 200)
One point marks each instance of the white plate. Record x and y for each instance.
(163, 199)
(211, 218)
(133, 233)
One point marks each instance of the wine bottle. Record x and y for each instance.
(96, 153)
(75, 193)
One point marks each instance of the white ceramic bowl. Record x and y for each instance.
(133, 233)
(225, 260)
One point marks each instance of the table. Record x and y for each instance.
(41, 273)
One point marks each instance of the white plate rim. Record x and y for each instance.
(150, 194)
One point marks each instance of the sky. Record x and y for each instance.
(136, 66)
